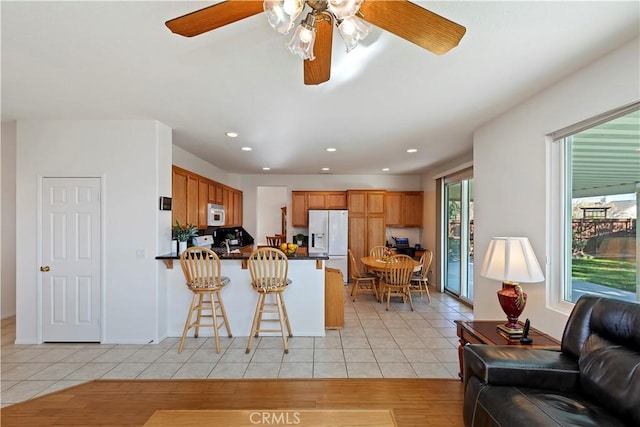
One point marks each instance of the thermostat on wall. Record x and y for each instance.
(165, 203)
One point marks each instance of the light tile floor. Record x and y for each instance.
(376, 343)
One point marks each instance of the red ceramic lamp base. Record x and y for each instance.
(512, 300)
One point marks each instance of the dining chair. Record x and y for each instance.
(201, 269)
(420, 278)
(276, 240)
(268, 268)
(396, 278)
(359, 279)
(378, 252)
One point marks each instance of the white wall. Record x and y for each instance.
(133, 160)
(513, 145)
(8, 220)
(269, 201)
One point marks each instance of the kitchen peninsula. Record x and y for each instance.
(304, 296)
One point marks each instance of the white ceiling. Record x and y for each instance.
(117, 60)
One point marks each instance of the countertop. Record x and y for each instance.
(246, 255)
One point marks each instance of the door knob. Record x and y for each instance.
(45, 268)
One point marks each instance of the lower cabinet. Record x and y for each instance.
(333, 298)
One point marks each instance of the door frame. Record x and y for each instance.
(39, 297)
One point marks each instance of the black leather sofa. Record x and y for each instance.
(593, 381)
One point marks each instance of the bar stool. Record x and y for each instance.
(201, 268)
(269, 268)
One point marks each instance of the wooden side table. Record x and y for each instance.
(486, 332)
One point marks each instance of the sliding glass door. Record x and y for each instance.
(458, 237)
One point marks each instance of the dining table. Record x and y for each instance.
(378, 265)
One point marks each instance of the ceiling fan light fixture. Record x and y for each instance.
(304, 38)
(342, 9)
(352, 30)
(282, 14)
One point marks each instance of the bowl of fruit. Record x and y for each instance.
(289, 248)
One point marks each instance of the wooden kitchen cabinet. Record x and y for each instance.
(336, 200)
(302, 201)
(215, 194)
(192, 200)
(203, 201)
(413, 208)
(316, 200)
(232, 201)
(299, 209)
(393, 209)
(404, 208)
(367, 226)
(179, 197)
(192, 193)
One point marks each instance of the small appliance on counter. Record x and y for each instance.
(204, 241)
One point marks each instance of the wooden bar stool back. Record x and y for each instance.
(420, 279)
(360, 280)
(396, 278)
(201, 268)
(269, 268)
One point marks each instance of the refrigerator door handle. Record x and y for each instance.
(313, 240)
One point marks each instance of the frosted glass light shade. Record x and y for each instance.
(303, 41)
(352, 30)
(511, 259)
(282, 14)
(344, 8)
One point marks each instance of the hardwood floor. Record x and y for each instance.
(414, 402)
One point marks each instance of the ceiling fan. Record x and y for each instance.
(313, 36)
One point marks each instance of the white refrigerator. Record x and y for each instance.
(329, 234)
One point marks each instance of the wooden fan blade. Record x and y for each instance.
(319, 70)
(413, 23)
(213, 17)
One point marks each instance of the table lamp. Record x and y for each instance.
(512, 261)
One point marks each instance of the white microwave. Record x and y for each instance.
(215, 216)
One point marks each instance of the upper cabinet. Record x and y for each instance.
(192, 193)
(399, 208)
(302, 201)
(404, 208)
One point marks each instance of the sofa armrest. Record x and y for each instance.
(521, 367)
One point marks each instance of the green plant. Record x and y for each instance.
(185, 232)
(299, 237)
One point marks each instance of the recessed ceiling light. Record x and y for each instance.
(385, 169)
(325, 169)
(232, 134)
(412, 150)
(266, 169)
(247, 148)
(331, 150)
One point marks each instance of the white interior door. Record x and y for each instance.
(71, 298)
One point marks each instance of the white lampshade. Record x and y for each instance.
(352, 30)
(304, 39)
(344, 8)
(511, 259)
(282, 14)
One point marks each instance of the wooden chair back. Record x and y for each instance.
(269, 268)
(276, 241)
(399, 270)
(378, 252)
(201, 268)
(426, 259)
(354, 266)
